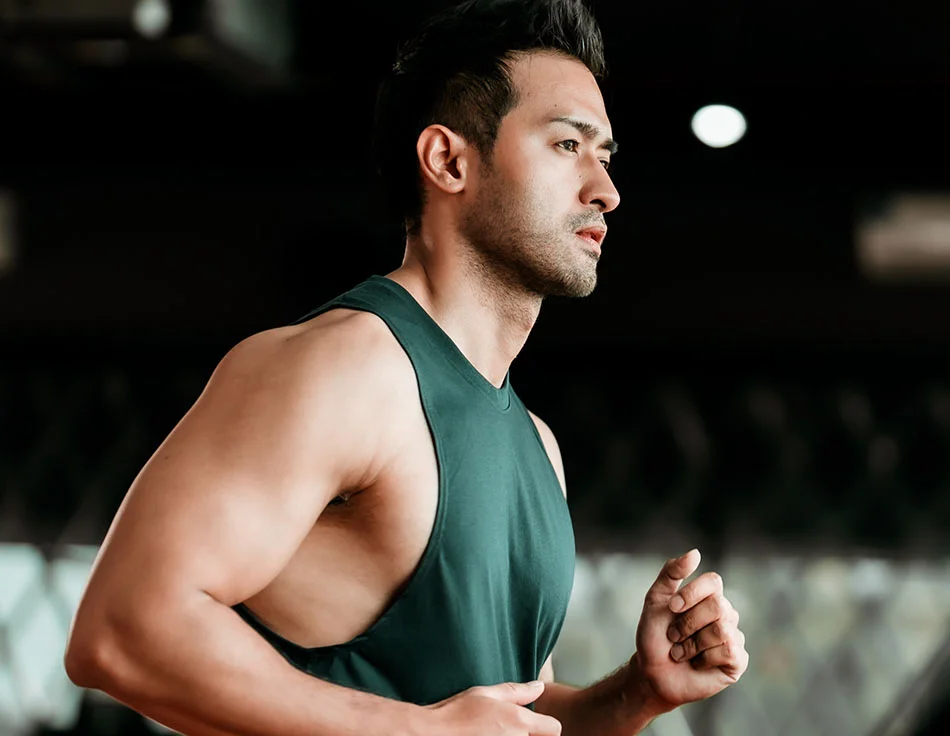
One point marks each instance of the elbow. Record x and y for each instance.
(85, 659)
(80, 668)
(96, 656)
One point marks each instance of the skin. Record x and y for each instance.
(296, 417)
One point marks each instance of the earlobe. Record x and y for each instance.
(441, 155)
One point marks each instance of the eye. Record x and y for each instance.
(569, 146)
(606, 164)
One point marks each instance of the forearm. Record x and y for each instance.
(610, 707)
(206, 673)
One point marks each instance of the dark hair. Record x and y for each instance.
(456, 72)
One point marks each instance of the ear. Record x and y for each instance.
(443, 157)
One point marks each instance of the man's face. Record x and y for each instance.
(546, 181)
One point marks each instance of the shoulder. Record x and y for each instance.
(551, 447)
(336, 378)
(337, 349)
(336, 336)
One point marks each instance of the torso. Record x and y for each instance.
(363, 550)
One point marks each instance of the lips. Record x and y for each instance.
(594, 233)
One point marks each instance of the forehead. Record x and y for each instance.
(553, 85)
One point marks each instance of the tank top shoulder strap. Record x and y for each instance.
(426, 344)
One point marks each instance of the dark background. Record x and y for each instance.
(162, 196)
(172, 203)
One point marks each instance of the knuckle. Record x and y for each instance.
(742, 663)
(684, 624)
(687, 594)
(727, 604)
(690, 648)
(720, 605)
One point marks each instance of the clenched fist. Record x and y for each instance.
(689, 646)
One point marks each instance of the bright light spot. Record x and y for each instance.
(718, 126)
(151, 18)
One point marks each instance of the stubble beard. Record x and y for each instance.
(514, 245)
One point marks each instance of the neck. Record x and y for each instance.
(488, 318)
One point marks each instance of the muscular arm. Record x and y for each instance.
(289, 419)
(606, 708)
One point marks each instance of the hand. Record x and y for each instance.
(495, 710)
(689, 646)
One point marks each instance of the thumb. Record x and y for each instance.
(675, 571)
(520, 693)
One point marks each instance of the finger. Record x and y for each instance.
(713, 608)
(539, 724)
(521, 693)
(730, 657)
(673, 573)
(708, 637)
(707, 584)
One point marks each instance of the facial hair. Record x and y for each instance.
(516, 244)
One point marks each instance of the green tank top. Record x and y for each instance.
(488, 599)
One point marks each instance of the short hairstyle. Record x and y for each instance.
(456, 72)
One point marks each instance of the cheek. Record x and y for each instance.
(529, 164)
(537, 202)
(531, 190)
(550, 198)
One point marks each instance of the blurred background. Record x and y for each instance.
(762, 371)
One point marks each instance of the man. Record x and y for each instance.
(358, 528)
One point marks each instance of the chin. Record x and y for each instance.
(583, 290)
(569, 274)
(574, 285)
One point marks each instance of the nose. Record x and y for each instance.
(599, 190)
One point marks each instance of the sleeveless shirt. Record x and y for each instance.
(488, 598)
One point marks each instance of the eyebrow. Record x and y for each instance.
(588, 130)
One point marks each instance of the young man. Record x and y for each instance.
(358, 528)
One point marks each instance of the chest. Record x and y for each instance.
(503, 518)
(481, 498)
(480, 504)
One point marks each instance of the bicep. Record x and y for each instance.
(225, 501)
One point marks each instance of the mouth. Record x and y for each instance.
(594, 236)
